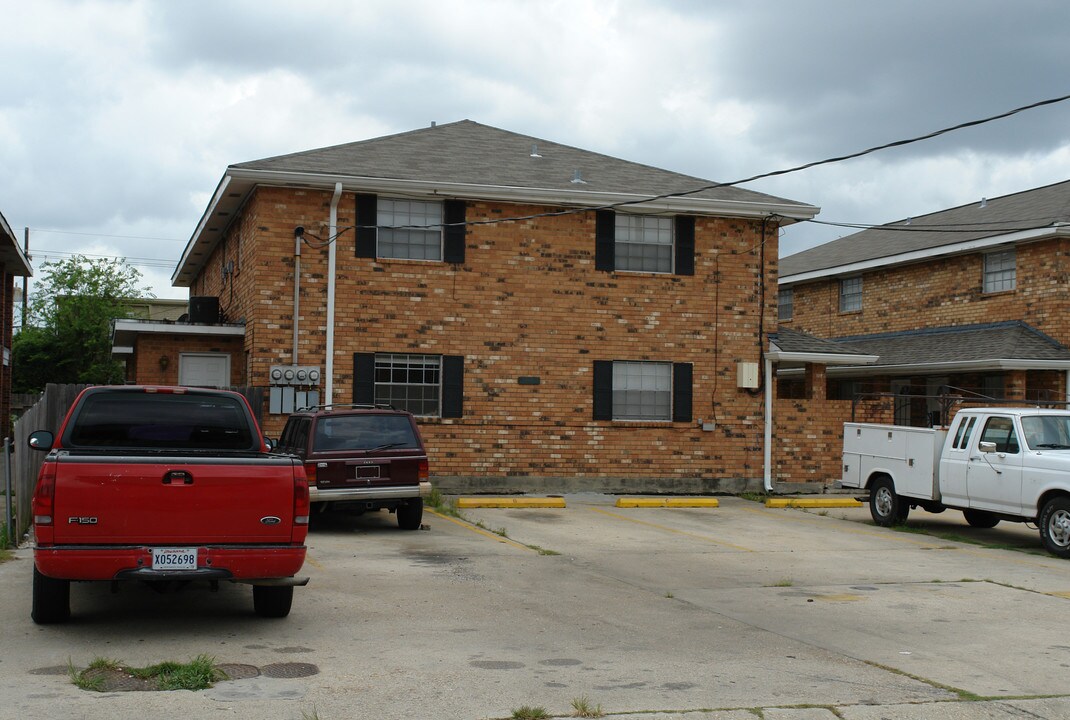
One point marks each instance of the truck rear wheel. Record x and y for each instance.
(1055, 526)
(272, 601)
(980, 518)
(885, 506)
(410, 514)
(51, 599)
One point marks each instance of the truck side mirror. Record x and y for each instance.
(986, 447)
(271, 444)
(41, 440)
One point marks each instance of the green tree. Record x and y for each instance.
(68, 338)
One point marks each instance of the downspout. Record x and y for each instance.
(768, 424)
(332, 255)
(298, 236)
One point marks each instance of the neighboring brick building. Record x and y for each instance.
(477, 277)
(971, 301)
(13, 264)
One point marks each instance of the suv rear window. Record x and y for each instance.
(172, 421)
(364, 432)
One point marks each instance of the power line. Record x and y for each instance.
(89, 234)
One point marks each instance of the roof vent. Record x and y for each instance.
(433, 123)
(577, 179)
(984, 202)
(535, 151)
(908, 221)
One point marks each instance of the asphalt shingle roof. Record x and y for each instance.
(1036, 208)
(471, 153)
(794, 341)
(966, 343)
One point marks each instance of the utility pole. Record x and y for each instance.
(25, 280)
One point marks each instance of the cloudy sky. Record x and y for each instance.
(118, 117)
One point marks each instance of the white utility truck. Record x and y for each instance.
(992, 464)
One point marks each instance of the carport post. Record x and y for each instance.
(768, 459)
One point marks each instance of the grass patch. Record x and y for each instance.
(526, 712)
(784, 582)
(669, 595)
(758, 497)
(582, 707)
(197, 674)
(440, 504)
(543, 551)
(314, 715)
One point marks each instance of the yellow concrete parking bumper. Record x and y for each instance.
(510, 502)
(812, 502)
(675, 502)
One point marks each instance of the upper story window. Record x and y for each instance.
(432, 230)
(644, 243)
(409, 229)
(851, 294)
(1000, 271)
(785, 303)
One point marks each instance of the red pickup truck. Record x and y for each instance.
(162, 485)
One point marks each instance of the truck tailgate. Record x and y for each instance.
(113, 499)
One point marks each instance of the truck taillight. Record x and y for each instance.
(310, 472)
(423, 472)
(44, 495)
(301, 501)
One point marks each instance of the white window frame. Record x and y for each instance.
(785, 310)
(1000, 271)
(401, 226)
(406, 375)
(643, 377)
(851, 294)
(649, 233)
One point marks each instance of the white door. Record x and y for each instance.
(994, 480)
(204, 369)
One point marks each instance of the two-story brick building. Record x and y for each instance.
(971, 301)
(554, 316)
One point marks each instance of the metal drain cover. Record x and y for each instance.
(237, 671)
(118, 681)
(290, 670)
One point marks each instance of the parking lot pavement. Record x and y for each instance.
(655, 611)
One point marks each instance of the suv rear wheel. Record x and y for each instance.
(410, 514)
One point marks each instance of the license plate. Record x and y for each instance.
(174, 558)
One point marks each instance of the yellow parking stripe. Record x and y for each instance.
(510, 502)
(680, 502)
(663, 528)
(480, 531)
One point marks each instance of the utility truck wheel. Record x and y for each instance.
(51, 599)
(980, 518)
(1055, 526)
(272, 601)
(885, 506)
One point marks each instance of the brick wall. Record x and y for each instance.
(944, 292)
(808, 440)
(526, 302)
(149, 348)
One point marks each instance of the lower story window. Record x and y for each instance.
(642, 391)
(409, 382)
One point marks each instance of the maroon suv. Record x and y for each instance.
(361, 457)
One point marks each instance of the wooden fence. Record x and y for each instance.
(47, 414)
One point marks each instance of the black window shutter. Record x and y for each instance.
(681, 392)
(453, 235)
(605, 231)
(363, 378)
(452, 386)
(685, 245)
(603, 389)
(367, 219)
